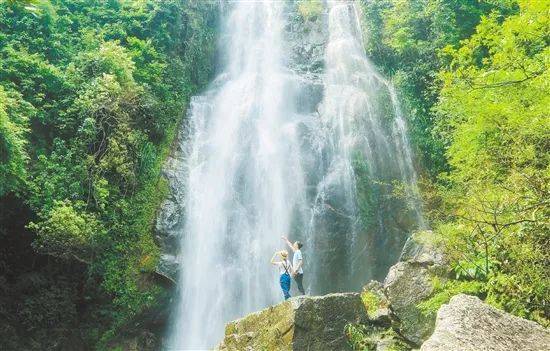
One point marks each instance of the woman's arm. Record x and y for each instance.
(273, 259)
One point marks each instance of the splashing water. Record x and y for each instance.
(364, 127)
(245, 180)
(251, 174)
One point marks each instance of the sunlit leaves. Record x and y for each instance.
(493, 116)
(14, 114)
(68, 231)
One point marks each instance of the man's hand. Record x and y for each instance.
(284, 238)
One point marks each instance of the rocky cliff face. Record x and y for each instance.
(171, 213)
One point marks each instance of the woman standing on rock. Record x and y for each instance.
(285, 269)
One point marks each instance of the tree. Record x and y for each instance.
(492, 116)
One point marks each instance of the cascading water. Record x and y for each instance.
(364, 131)
(269, 157)
(245, 179)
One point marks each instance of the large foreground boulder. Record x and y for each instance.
(468, 324)
(302, 323)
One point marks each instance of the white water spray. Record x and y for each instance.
(245, 180)
(250, 175)
(363, 125)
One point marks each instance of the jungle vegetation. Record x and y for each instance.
(91, 94)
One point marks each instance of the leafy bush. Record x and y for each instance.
(67, 231)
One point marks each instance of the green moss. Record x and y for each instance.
(360, 337)
(367, 337)
(444, 291)
(310, 9)
(371, 302)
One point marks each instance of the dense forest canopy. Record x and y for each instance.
(92, 93)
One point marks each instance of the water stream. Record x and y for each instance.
(259, 166)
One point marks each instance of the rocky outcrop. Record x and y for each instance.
(302, 323)
(409, 282)
(307, 38)
(170, 216)
(468, 324)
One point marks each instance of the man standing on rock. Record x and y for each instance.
(297, 263)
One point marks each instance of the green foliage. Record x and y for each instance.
(91, 94)
(14, 114)
(67, 231)
(403, 38)
(310, 9)
(493, 119)
(443, 291)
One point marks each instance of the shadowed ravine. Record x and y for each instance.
(268, 155)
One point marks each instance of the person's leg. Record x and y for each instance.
(299, 281)
(285, 285)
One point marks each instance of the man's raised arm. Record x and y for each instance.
(288, 243)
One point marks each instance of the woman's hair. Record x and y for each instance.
(283, 253)
(299, 244)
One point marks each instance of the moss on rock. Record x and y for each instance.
(302, 323)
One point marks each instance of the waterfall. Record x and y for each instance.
(245, 179)
(263, 163)
(363, 124)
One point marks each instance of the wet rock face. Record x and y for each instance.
(302, 323)
(170, 216)
(307, 39)
(468, 324)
